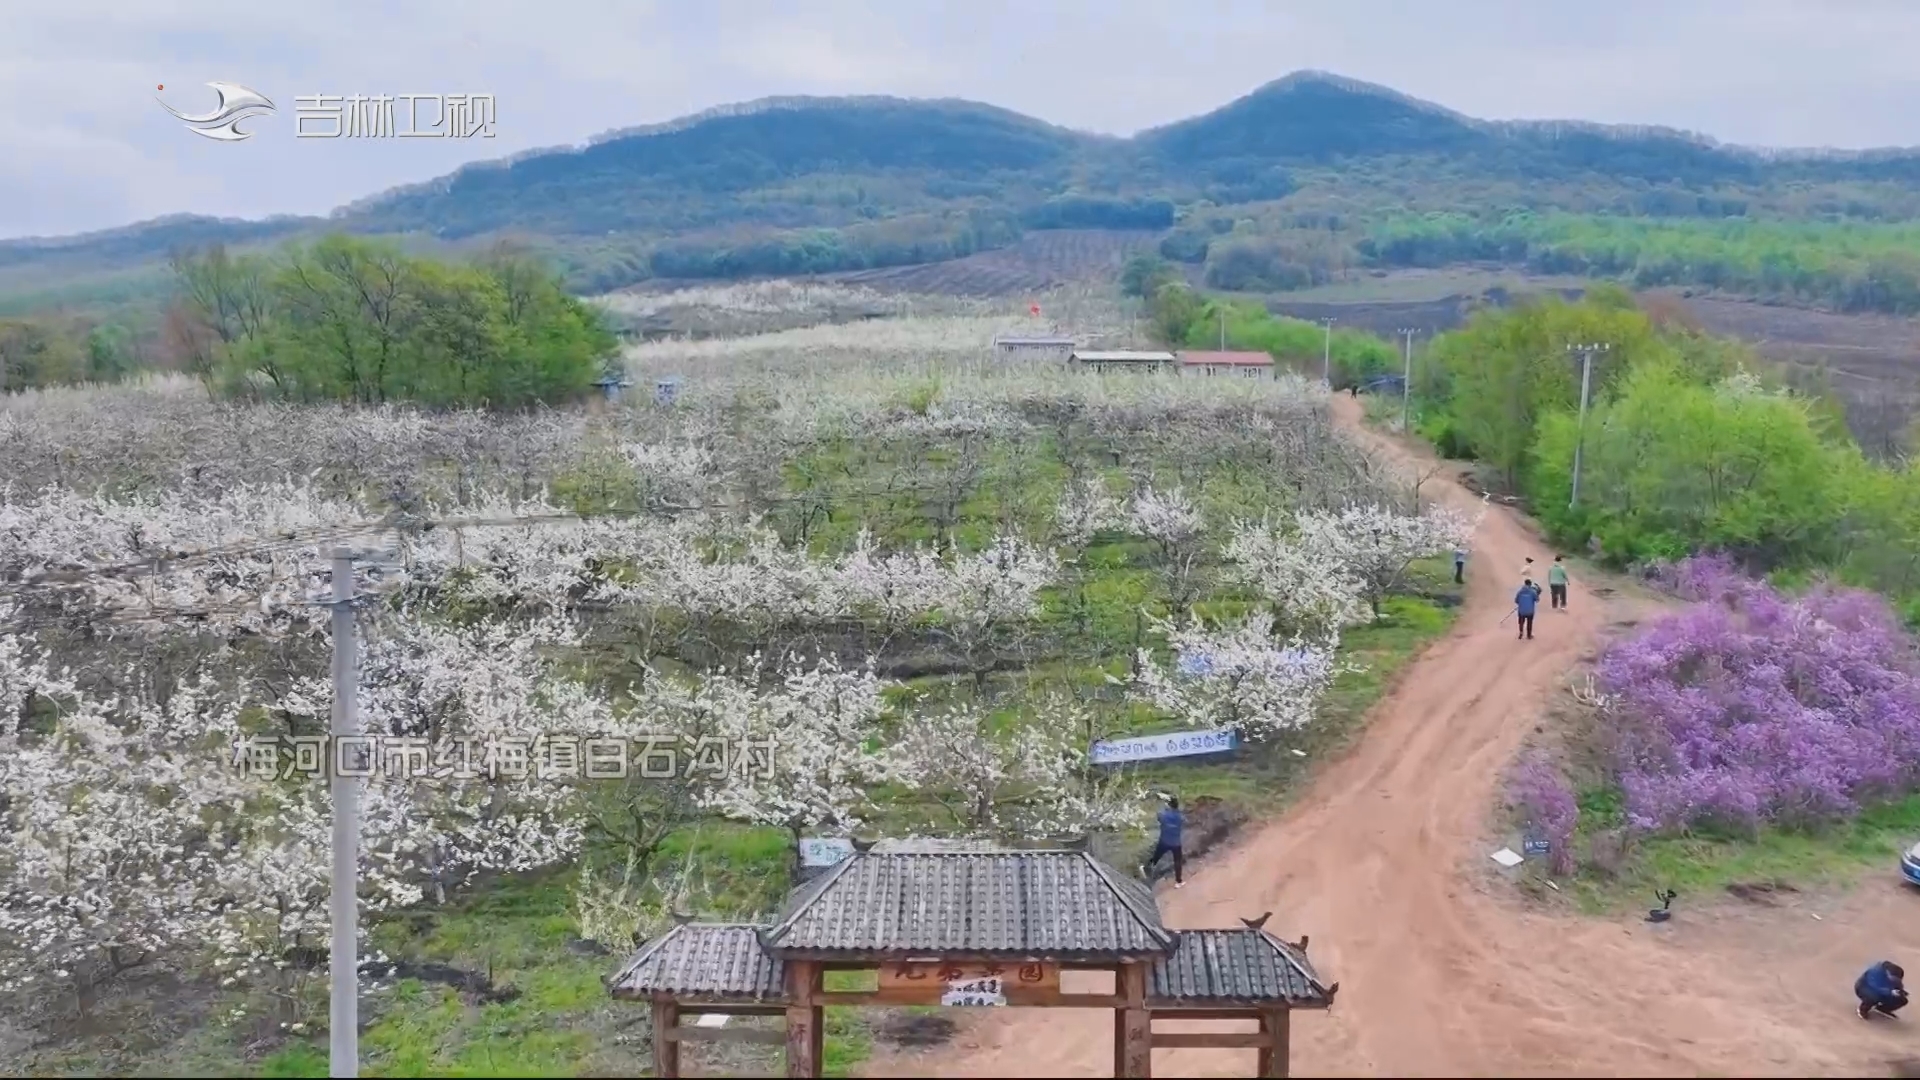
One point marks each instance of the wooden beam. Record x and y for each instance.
(1211, 1040)
(768, 1036)
(819, 1023)
(803, 980)
(1137, 1052)
(693, 1008)
(1016, 996)
(1245, 1013)
(666, 1045)
(1280, 1023)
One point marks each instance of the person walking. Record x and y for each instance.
(1526, 571)
(1882, 989)
(1169, 844)
(1459, 566)
(1557, 584)
(1524, 603)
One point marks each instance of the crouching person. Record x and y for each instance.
(1882, 989)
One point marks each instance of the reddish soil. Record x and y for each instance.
(1444, 970)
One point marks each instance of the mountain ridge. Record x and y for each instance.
(797, 102)
(798, 184)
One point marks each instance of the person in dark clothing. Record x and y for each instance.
(1459, 566)
(1168, 844)
(1524, 603)
(1881, 988)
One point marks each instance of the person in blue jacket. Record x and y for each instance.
(1881, 988)
(1168, 844)
(1524, 603)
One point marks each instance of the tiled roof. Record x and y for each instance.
(1247, 966)
(1036, 904)
(1237, 359)
(723, 962)
(1121, 356)
(936, 846)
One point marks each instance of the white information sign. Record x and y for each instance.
(974, 992)
(824, 850)
(1167, 745)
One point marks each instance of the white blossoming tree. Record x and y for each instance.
(1311, 591)
(1238, 678)
(1022, 775)
(1324, 570)
(1178, 532)
(1376, 544)
(803, 751)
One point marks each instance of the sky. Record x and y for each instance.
(85, 144)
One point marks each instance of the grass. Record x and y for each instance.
(1704, 864)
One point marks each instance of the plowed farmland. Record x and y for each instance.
(1040, 261)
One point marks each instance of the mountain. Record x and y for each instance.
(1306, 173)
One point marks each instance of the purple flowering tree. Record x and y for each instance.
(1540, 792)
(1751, 707)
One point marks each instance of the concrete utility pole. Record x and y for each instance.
(1586, 351)
(1406, 383)
(1223, 328)
(343, 1023)
(1326, 354)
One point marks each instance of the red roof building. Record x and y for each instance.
(1248, 364)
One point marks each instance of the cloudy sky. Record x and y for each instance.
(85, 145)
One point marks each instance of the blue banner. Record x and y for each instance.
(1167, 745)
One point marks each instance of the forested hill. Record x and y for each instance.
(1302, 178)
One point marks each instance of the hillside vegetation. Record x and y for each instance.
(1304, 181)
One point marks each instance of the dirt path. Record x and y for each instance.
(1382, 864)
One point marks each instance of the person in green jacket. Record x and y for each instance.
(1557, 583)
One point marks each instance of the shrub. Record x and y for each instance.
(1539, 790)
(1753, 708)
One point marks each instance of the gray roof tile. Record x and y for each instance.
(719, 961)
(1039, 904)
(1237, 967)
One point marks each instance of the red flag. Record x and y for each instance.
(1033, 309)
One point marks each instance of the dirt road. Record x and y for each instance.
(1382, 863)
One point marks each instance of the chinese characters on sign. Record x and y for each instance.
(548, 757)
(970, 984)
(391, 116)
(973, 992)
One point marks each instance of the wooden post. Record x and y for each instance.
(801, 1041)
(1119, 1037)
(1264, 1066)
(1136, 1058)
(1278, 1060)
(666, 1048)
(819, 1022)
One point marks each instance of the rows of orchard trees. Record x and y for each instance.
(750, 568)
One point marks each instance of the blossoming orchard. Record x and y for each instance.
(927, 582)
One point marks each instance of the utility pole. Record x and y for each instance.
(1223, 328)
(343, 1024)
(1586, 351)
(1406, 384)
(1326, 354)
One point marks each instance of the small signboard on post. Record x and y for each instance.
(822, 851)
(1168, 745)
(666, 391)
(1535, 847)
(974, 992)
